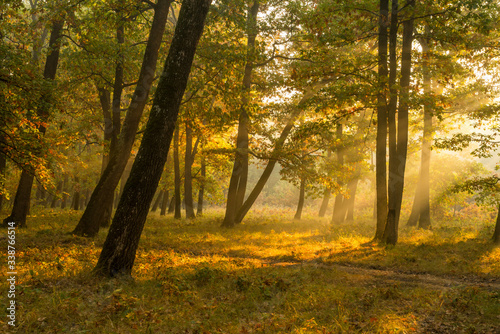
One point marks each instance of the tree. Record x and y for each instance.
(91, 219)
(382, 99)
(398, 144)
(118, 253)
(22, 198)
(420, 212)
(238, 181)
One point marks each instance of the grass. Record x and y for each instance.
(269, 275)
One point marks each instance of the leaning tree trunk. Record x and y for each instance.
(156, 203)
(381, 141)
(21, 205)
(254, 194)
(238, 181)
(118, 253)
(98, 203)
(396, 177)
(300, 204)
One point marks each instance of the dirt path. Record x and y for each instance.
(387, 276)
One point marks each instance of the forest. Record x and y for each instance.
(250, 166)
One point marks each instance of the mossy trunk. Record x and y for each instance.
(118, 253)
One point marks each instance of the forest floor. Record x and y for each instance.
(271, 274)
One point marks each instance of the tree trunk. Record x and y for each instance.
(164, 203)
(496, 234)
(98, 203)
(156, 203)
(352, 187)
(188, 177)
(324, 202)
(59, 188)
(118, 253)
(300, 205)
(177, 177)
(238, 181)
(296, 111)
(390, 231)
(201, 191)
(64, 199)
(381, 141)
(397, 174)
(425, 208)
(75, 204)
(21, 205)
(339, 209)
(326, 196)
(171, 206)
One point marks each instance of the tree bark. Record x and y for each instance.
(89, 222)
(300, 204)
(397, 174)
(21, 205)
(381, 141)
(118, 253)
(238, 181)
(177, 177)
